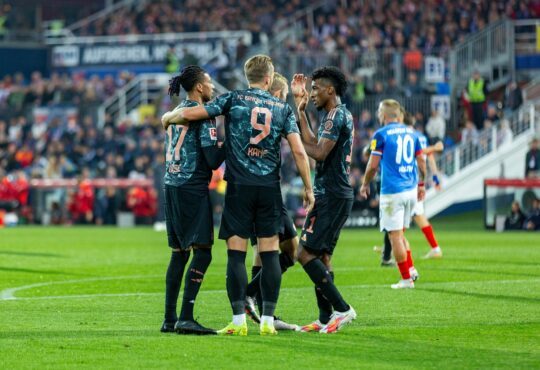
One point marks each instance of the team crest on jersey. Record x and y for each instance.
(328, 125)
(373, 145)
(213, 133)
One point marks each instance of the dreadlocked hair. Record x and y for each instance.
(189, 76)
(334, 76)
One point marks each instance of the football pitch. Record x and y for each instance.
(93, 298)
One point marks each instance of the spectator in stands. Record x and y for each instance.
(513, 97)
(436, 127)
(142, 201)
(469, 134)
(477, 92)
(412, 87)
(532, 161)
(532, 222)
(516, 218)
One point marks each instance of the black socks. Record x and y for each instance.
(173, 280)
(194, 278)
(236, 280)
(322, 279)
(387, 249)
(270, 276)
(325, 307)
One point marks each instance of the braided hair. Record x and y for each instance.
(189, 76)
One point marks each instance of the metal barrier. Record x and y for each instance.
(526, 33)
(143, 89)
(521, 122)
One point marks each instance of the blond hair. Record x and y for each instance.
(258, 67)
(279, 83)
(390, 108)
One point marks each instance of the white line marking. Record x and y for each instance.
(9, 294)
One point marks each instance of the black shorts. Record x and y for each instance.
(287, 230)
(323, 224)
(251, 207)
(188, 216)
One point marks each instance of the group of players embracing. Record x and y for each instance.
(256, 120)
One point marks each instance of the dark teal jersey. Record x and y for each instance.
(255, 122)
(184, 160)
(332, 176)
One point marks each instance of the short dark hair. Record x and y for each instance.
(189, 76)
(334, 76)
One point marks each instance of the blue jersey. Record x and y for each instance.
(398, 146)
(184, 160)
(255, 122)
(332, 176)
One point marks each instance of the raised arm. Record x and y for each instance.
(302, 164)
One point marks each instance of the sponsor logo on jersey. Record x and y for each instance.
(213, 133)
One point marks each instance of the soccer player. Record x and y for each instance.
(254, 124)
(395, 147)
(191, 153)
(418, 212)
(288, 239)
(332, 149)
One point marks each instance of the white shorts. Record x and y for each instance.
(418, 209)
(396, 210)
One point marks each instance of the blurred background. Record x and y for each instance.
(83, 86)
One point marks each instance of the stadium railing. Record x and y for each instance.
(456, 159)
(490, 51)
(144, 89)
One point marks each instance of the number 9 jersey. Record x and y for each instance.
(398, 146)
(255, 122)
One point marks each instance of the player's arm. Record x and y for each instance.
(302, 164)
(213, 151)
(371, 170)
(434, 170)
(421, 162)
(182, 116)
(436, 148)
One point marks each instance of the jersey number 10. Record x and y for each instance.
(405, 149)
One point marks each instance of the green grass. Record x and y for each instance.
(95, 300)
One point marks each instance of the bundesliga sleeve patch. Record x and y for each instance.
(373, 144)
(328, 127)
(213, 133)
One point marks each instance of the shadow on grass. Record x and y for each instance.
(33, 271)
(30, 254)
(484, 295)
(474, 270)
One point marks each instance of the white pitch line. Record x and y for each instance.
(9, 294)
(222, 291)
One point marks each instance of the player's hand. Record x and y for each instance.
(439, 146)
(437, 182)
(309, 199)
(364, 191)
(165, 120)
(421, 193)
(298, 85)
